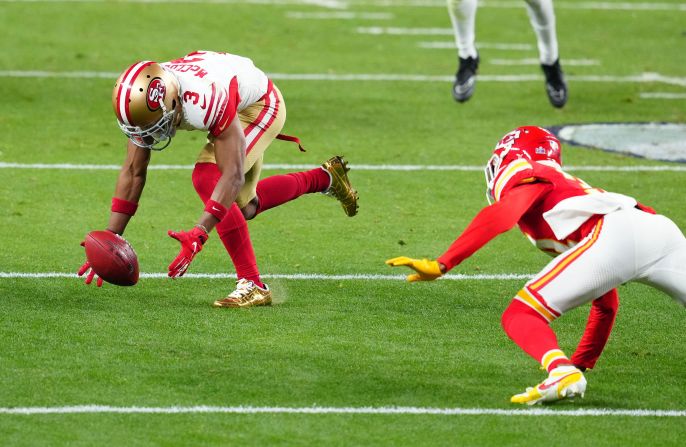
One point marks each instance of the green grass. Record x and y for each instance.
(330, 343)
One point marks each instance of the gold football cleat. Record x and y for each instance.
(340, 188)
(247, 294)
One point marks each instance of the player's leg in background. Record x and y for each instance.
(463, 17)
(331, 178)
(542, 18)
(279, 189)
(599, 325)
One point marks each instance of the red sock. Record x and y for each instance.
(232, 230)
(598, 329)
(533, 334)
(279, 189)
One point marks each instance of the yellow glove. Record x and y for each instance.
(427, 270)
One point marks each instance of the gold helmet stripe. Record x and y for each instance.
(124, 92)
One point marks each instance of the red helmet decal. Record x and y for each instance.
(155, 94)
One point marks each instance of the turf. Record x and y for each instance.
(330, 343)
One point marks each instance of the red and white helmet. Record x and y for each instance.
(529, 142)
(144, 99)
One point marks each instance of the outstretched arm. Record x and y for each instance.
(490, 222)
(129, 187)
(127, 192)
(598, 329)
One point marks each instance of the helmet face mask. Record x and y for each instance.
(145, 99)
(156, 137)
(492, 168)
(529, 142)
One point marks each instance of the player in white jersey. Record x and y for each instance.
(242, 112)
(542, 18)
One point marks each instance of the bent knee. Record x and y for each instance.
(250, 209)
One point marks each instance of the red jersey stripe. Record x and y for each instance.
(229, 109)
(209, 108)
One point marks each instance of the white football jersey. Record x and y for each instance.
(214, 87)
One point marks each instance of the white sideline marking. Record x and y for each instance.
(335, 4)
(484, 46)
(342, 15)
(581, 412)
(344, 4)
(289, 167)
(662, 95)
(295, 276)
(612, 6)
(378, 30)
(383, 77)
(536, 61)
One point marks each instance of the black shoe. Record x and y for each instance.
(555, 85)
(465, 79)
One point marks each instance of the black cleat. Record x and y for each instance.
(555, 85)
(465, 79)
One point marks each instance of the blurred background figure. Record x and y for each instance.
(542, 17)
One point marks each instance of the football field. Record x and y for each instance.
(350, 353)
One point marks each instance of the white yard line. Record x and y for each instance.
(339, 15)
(332, 4)
(389, 410)
(516, 4)
(356, 167)
(482, 46)
(292, 276)
(392, 30)
(536, 61)
(662, 95)
(378, 77)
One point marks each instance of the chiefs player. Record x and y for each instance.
(599, 239)
(243, 112)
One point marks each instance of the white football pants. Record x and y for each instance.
(541, 15)
(626, 245)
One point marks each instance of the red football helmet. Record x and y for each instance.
(530, 142)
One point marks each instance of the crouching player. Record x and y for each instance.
(242, 112)
(599, 239)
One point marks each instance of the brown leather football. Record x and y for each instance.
(112, 258)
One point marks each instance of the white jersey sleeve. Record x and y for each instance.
(214, 87)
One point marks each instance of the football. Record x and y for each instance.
(112, 258)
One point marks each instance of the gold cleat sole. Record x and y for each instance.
(341, 189)
(249, 301)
